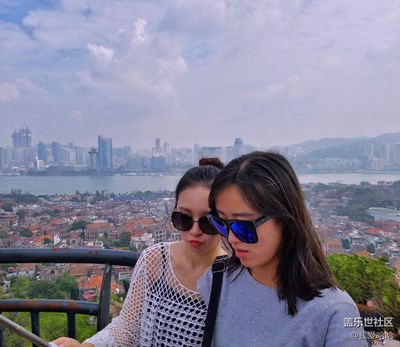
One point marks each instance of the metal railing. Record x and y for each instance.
(100, 309)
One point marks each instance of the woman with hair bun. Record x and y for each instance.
(163, 306)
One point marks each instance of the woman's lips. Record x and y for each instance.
(241, 253)
(195, 244)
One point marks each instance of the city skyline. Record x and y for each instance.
(376, 154)
(272, 73)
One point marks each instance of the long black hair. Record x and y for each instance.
(269, 185)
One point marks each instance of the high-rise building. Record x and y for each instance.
(166, 148)
(105, 154)
(42, 152)
(56, 152)
(158, 146)
(196, 153)
(238, 147)
(93, 155)
(22, 137)
(396, 158)
(38, 164)
(128, 152)
(384, 153)
(157, 163)
(3, 159)
(368, 150)
(81, 155)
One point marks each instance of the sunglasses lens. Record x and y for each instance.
(181, 221)
(206, 226)
(219, 225)
(244, 231)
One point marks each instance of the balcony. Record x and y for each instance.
(100, 309)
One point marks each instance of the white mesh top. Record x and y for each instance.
(158, 309)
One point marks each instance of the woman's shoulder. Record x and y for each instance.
(157, 248)
(331, 301)
(336, 295)
(229, 275)
(155, 254)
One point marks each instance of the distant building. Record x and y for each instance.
(209, 152)
(4, 158)
(384, 214)
(166, 148)
(396, 157)
(157, 163)
(22, 137)
(238, 147)
(384, 153)
(196, 153)
(38, 164)
(93, 159)
(81, 155)
(105, 154)
(157, 148)
(56, 152)
(42, 152)
(368, 150)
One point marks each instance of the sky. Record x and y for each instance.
(272, 72)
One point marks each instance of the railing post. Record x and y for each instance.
(35, 324)
(71, 325)
(1, 334)
(104, 300)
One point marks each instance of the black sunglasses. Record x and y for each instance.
(183, 222)
(244, 230)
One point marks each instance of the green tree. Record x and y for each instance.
(371, 248)
(3, 234)
(44, 289)
(356, 212)
(8, 207)
(346, 243)
(19, 287)
(125, 239)
(67, 283)
(25, 232)
(366, 278)
(126, 285)
(78, 224)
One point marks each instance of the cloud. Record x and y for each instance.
(8, 92)
(76, 117)
(140, 30)
(100, 53)
(271, 72)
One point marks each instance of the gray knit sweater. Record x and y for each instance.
(250, 314)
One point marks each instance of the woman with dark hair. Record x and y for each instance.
(163, 306)
(278, 289)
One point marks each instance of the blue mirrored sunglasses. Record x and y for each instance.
(245, 231)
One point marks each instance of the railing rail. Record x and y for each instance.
(71, 307)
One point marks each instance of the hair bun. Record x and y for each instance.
(212, 161)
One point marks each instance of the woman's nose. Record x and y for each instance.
(232, 237)
(195, 229)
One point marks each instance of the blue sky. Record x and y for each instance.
(200, 71)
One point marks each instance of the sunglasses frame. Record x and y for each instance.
(253, 224)
(209, 231)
